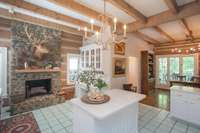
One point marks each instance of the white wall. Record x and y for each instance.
(134, 46)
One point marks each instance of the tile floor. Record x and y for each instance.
(58, 119)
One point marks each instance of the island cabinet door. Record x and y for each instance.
(195, 109)
(179, 105)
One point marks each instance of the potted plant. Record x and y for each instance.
(100, 84)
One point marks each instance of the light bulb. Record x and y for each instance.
(125, 27)
(115, 20)
(92, 21)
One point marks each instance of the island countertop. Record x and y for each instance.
(185, 89)
(119, 99)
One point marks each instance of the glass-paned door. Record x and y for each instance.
(174, 67)
(163, 71)
(188, 66)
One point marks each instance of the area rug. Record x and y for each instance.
(24, 123)
(36, 103)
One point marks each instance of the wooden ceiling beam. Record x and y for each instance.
(182, 42)
(162, 32)
(172, 5)
(46, 12)
(189, 34)
(121, 4)
(146, 38)
(33, 20)
(167, 16)
(75, 6)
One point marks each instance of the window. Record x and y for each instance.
(170, 66)
(73, 67)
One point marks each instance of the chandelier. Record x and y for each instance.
(107, 34)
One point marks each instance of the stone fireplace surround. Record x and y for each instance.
(19, 83)
(16, 80)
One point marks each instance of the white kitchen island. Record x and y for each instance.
(119, 115)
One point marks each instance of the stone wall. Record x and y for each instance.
(23, 50)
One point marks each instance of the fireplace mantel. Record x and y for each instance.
(36, 70)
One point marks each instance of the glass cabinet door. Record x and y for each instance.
(92, 58)
(82, 59)
(98, 58)
(87, 59)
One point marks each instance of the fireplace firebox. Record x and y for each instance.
(38, 87)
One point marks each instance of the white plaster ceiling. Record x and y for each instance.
(151, 32)
(149, 7)
(30, 13)
(194, 25)
(111, 11)
(183, 2)
(51, 6)
(175, 29)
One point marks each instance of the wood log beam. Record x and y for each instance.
(46, 12)
(25, 18)
(189, 34)
(75, 6)
(183, 42)
(121, 4)
(167, 16)
(172, 5)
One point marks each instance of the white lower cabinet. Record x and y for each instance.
(185, 106)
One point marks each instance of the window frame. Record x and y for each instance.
(68, 67)
(158, 85)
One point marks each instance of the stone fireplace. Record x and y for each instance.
(21, 81)
(23, 51)
(37, 87)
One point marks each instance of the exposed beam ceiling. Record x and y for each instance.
(146, 38)
(162, 32)
(71, 4)
(167, 16)
(46, 12)
(172, 5)
(121, 4)
(189, 34)
(25, 18)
